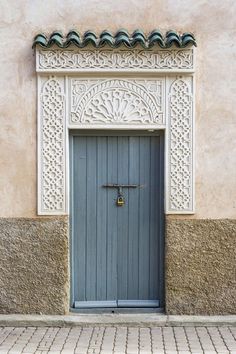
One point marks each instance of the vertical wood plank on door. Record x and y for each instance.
(133, 212)
(123, 218)
(91, 214)
(102, 219)
(112, 226)
(155, 185)
(144, 212)
(79, 215)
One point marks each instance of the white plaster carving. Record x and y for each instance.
(108, 59)
(116, 102)
(180, 146)
(123, 101)
(52, 149)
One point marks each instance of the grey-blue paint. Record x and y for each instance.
(117, 252)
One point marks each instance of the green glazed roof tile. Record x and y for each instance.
(106, 38)
(41, 40)
(155, 37)
(139, 38)
(122, 31)
(89, 38)
(56, 38)
(73, 37)
(122, 37)
(187, 39)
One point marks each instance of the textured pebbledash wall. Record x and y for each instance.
(34, 274)
(200, 267)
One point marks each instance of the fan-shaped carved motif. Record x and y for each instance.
(116, 102)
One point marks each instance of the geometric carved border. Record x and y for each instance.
(82, 60)
(157, 102)
(180, 146)
(51, 148)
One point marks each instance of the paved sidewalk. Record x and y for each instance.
(118, 339)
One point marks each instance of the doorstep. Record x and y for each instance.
(133, 320)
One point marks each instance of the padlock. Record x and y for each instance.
(120, 200)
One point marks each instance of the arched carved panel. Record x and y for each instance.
(116, 102)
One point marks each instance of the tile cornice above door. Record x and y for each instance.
(154, 89)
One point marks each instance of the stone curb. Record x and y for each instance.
(134, 320)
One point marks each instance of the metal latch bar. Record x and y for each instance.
(121, 185)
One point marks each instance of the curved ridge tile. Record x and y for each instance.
(56, 38)
(41, 40)
(89, 37)
(122, 37)
(106, 38)
(73, 37)
(138, 37)
(139, 33)
(188, 39)
(156, 37)
(122, 31)
(172, 37)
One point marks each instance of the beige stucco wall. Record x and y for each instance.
(213, 22)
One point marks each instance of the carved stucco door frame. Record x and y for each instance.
(76, 90)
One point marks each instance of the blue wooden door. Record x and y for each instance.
(117, 251)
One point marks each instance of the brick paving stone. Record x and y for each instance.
(228, 338)
(118, 340)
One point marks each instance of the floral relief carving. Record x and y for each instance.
(180, 147)
(52, 147)
(116, 101)
(114, 59)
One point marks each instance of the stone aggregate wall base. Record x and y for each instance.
(200, 267)
(34, 273)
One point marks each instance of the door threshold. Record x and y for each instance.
(118, 310)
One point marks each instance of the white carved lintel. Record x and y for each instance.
(114, 60)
